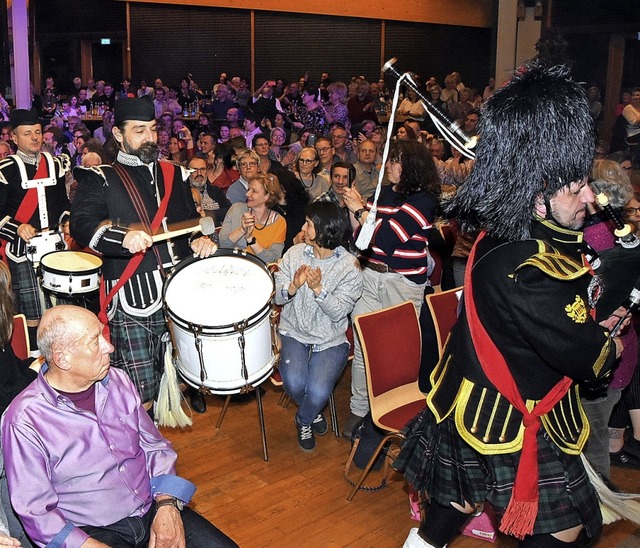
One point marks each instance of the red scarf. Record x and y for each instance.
(520, 515)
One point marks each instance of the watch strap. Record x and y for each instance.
(178, 504)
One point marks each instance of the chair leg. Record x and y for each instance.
(334, 415)
(389, 437)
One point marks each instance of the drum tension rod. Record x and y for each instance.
(197, 331)
(240, 328)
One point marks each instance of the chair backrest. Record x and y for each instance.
(449, 235)
(391, 345)
(444, 311)
(436, 275)
(20, 337)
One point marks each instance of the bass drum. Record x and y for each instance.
(218, 310)
(68, 273)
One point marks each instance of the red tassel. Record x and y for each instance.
(519, 518)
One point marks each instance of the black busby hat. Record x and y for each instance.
(127, 108)
(23, 117)
(536, 137)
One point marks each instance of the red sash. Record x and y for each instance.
(521, 513)
(168, 171)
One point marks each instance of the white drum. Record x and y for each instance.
(213, 305)
(71, 272)
(43, 243)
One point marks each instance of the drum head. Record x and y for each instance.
(220, 290)
(71, 261)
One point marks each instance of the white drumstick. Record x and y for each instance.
(206, 226)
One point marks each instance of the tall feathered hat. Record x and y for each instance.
(536, 136)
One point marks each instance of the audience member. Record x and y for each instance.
(306, 169)
(317, 284)
(247, 162)
(253, 223)
(126, 491)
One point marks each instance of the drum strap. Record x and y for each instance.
(30, 201)
(168, 172)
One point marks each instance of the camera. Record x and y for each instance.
(182, 134)
(311, 140)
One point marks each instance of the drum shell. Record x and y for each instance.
(72, 280)
(220, 344)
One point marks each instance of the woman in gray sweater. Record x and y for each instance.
(318, 283)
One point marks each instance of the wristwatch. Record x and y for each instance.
(359, 213)
(177, 503)
(251, 241)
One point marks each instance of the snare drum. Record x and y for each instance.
(44, 243)
(67, 273)
(212, 306)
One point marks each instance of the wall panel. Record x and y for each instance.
(170, 41)
(437, 50)
(287, 45)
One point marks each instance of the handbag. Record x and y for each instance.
(365, 439)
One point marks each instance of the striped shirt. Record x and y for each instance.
(401, 239)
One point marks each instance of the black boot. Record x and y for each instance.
(197, 401)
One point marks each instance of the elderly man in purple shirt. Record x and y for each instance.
(85, 464)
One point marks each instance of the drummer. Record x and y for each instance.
(21, 214)
(254, 224)
(110, 203)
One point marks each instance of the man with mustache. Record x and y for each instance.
(115, 210)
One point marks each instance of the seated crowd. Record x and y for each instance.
(289, 173)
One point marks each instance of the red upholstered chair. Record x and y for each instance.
(391, 346)
(444, 311)
(436, 275)
(20, 337)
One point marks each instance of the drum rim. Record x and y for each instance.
(221, 252)
(52, 270)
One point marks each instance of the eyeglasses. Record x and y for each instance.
(625, 168)
(631, 210)
(305, 161)
(248, 164)
(323, 149)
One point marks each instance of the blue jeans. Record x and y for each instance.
(309, 377)
(134, 532)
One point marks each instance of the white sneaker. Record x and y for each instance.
(414, 540)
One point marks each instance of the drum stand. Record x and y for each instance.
(246, 389)
(240, 328)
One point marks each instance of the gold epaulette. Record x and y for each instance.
(555, 265)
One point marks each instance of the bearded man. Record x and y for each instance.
(115, 211)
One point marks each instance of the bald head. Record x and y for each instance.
(71, 341)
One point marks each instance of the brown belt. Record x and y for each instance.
(377, 267)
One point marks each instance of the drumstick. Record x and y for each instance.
(206, 226)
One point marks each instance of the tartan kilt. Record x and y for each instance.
(440, 464)
(26, 289)
(137, 345)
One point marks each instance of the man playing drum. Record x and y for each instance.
(115, 210)
(28, 208)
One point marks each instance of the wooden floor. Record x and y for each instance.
(298, 499)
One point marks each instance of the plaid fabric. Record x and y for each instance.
(27, 293)
(436, 460)
(137, 349)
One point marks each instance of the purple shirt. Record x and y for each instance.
(67, 467)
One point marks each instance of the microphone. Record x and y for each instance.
(205, 225)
